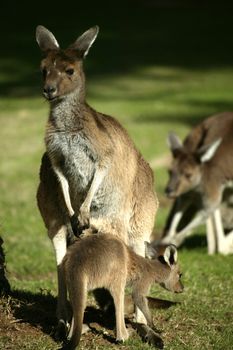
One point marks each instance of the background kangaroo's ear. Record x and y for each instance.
(174, 143)
(84, 42)
(206, 152)
(170, 255)
(45, 39)
(150, 251)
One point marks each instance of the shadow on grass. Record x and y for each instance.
(196, 241)
(39, 310)
(191, 119)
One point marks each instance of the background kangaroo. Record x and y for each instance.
(91, 168)
(201, 175)
(110, 265)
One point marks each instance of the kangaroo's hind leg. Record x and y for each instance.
(50, 203)
(117, 291)
(77, 287)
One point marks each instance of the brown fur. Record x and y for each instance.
(104, 261)
(200, 173)
(104, 180)
(210, 176)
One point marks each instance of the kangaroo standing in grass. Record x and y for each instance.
(91, 169)
(202, 172)
(102, 260)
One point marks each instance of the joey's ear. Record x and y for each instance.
(151, 252)
(170, 255)
(45, 39)
(84, 42)
(206, 152)
(174, 143)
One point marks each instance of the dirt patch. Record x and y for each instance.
(25, 317)
(27, 321)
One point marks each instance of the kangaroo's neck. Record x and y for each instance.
(151, 270)
(69, 112)
(160, 271)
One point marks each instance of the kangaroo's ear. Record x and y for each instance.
(84, 42)
(151, 252)
(174, 143)
(45, 39)
(206, 152)
(170, 255)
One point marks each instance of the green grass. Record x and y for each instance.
(166, 75)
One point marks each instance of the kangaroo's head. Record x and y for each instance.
(167, 269)
(62, 70)
(185, 173)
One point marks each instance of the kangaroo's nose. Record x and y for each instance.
(50, 91)
(180, 288)
(168, 191)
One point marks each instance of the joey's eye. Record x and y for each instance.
(180, 275)
(69, 71)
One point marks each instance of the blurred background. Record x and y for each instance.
(157, 66)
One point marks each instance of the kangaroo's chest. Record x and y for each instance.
(73, 154)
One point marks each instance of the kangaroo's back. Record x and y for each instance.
(101, 257)
(209, 130)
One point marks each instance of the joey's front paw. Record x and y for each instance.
(149, 336)
(154, 339)
(84, 217)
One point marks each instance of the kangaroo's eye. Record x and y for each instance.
(180, 275)
(188, 176)
(69, 71)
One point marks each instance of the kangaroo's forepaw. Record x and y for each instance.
(84, 216)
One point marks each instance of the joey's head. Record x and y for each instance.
(62, 70)
(185, 173)
(167, 269)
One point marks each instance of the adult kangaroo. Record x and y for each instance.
(201, 175)
(91, 170)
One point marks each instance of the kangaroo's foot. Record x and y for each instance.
(149, 336)
(62, 330)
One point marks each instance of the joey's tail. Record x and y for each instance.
(77, 293)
